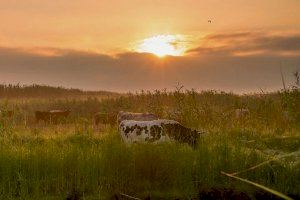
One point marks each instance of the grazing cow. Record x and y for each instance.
(42, 115)
(136, 116)
(157, 131)
(51, 116)
(105, 118)
(57, 115)
(241, 113)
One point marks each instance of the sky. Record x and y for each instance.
(232, 45)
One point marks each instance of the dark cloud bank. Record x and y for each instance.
(241, 62)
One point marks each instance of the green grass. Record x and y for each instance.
(48, 161)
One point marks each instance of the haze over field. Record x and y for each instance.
(128, 45)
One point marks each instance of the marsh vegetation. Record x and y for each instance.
(79, 159)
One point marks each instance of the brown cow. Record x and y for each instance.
(57, 115)
(105, 118)
(52, 116)
(42, 115)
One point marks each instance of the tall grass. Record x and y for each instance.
(33, 166)
(49, 161)
(44, 91)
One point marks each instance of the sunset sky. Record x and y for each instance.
(129, 45)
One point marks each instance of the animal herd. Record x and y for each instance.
(134, 127)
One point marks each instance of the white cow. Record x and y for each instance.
(156, 131)
(135, 116)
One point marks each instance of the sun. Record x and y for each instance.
(163, 45)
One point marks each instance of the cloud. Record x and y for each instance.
(215, 66)
(249, 44)
(226, 36)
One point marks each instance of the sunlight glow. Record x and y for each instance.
(162, 45)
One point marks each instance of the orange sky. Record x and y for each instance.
(113, 25)
(101, 34)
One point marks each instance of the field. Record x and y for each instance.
(77, 160)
